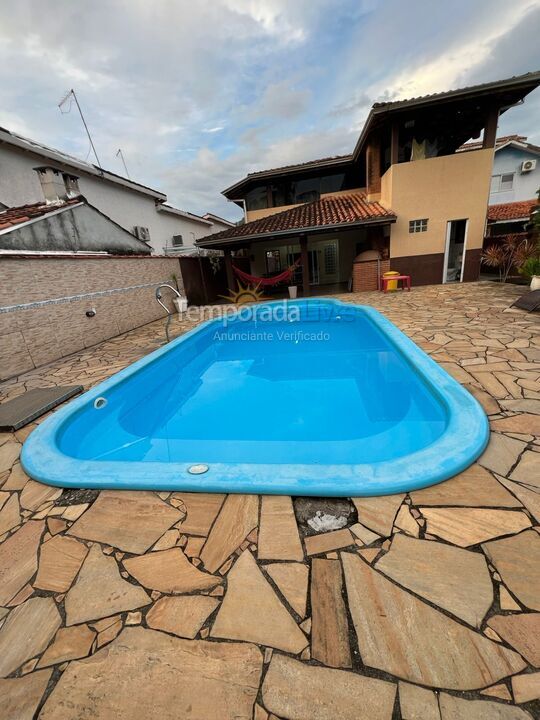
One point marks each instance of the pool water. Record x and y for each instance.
(320, 398)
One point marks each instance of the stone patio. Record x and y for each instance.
(423, 606)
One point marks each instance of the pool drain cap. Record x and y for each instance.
(198, 469)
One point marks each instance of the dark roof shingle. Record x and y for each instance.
(351, 208)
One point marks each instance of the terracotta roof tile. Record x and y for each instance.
(511, 211)
(23, 213)
(345, 209)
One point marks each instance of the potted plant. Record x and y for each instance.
(531, 270)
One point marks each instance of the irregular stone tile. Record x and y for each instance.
(278, 532)
(9, 453)
(292, 689)
(522, 632)
(21, 596)
(70, 643)
(454, 579)
(169, 571)
(369, 554)
(26, 632)
(405, 521)
(417, 703)
(378, 513)
(489, 404)
(498, 691)
(251, 611)
(183, 616)
(10, 515)
(60, 559)
(131, 521)
(109, 633)
(4, 497)
(292, 581)
(149, 674)
(519, 405)
(35, 494)
(363, 535)
(501, 453)
(517, 560)
(20, 697)
(194, 546)
(455, 708)
(522, 423)
(19, 559)
(526, 687)
(401, 635)
(470, 526)
(329, 624)
(238, 516)
(527, 471)
(167, 540)
(474, 487)
(202, 510)
(74, 512)
(506, 601)
(55, 525)
(134, 617)
(326, 542)
(100, 591)
(526, 495)
(490, 384)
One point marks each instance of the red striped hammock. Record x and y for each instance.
(267, 282)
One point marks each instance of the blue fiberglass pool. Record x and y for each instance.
(309, 397)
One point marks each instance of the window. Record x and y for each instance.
(502, 183)
(418, 225)
(330, 259)
(257, 199)
(177, 241)
(273, 261)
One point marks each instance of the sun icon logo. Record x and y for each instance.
(244, 295)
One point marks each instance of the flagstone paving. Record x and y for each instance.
(426, 606)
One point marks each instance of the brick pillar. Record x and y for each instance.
(365, 274)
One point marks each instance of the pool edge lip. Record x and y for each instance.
(43, 461)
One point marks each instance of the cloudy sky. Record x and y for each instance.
(198, 92)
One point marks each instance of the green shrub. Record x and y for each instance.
(530, 267)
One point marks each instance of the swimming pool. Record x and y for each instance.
(305, 397)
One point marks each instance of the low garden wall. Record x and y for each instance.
(44, 301)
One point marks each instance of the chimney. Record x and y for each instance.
(52, 184)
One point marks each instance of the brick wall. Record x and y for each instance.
(43, 304)
(365, 274)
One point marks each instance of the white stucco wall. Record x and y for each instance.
(19, 185)
(526, 185)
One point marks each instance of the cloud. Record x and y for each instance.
(198, 94)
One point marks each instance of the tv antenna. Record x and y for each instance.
(120, 154)
(72, 97)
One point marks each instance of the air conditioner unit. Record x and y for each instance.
(143, 233)
(177, 241)
(528, 165)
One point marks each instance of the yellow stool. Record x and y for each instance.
(392, 284)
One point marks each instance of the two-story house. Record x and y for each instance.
(405, 197)
(32, 173)
(515, 183)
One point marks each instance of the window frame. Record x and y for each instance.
(419, 225)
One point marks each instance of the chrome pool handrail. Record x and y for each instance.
(169, 313)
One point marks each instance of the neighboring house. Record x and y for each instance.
(404, 198)
(509, 218)
(33, 173)
(516, 169)
(72, 226)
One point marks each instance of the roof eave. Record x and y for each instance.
(286, 170)
(381, 220)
